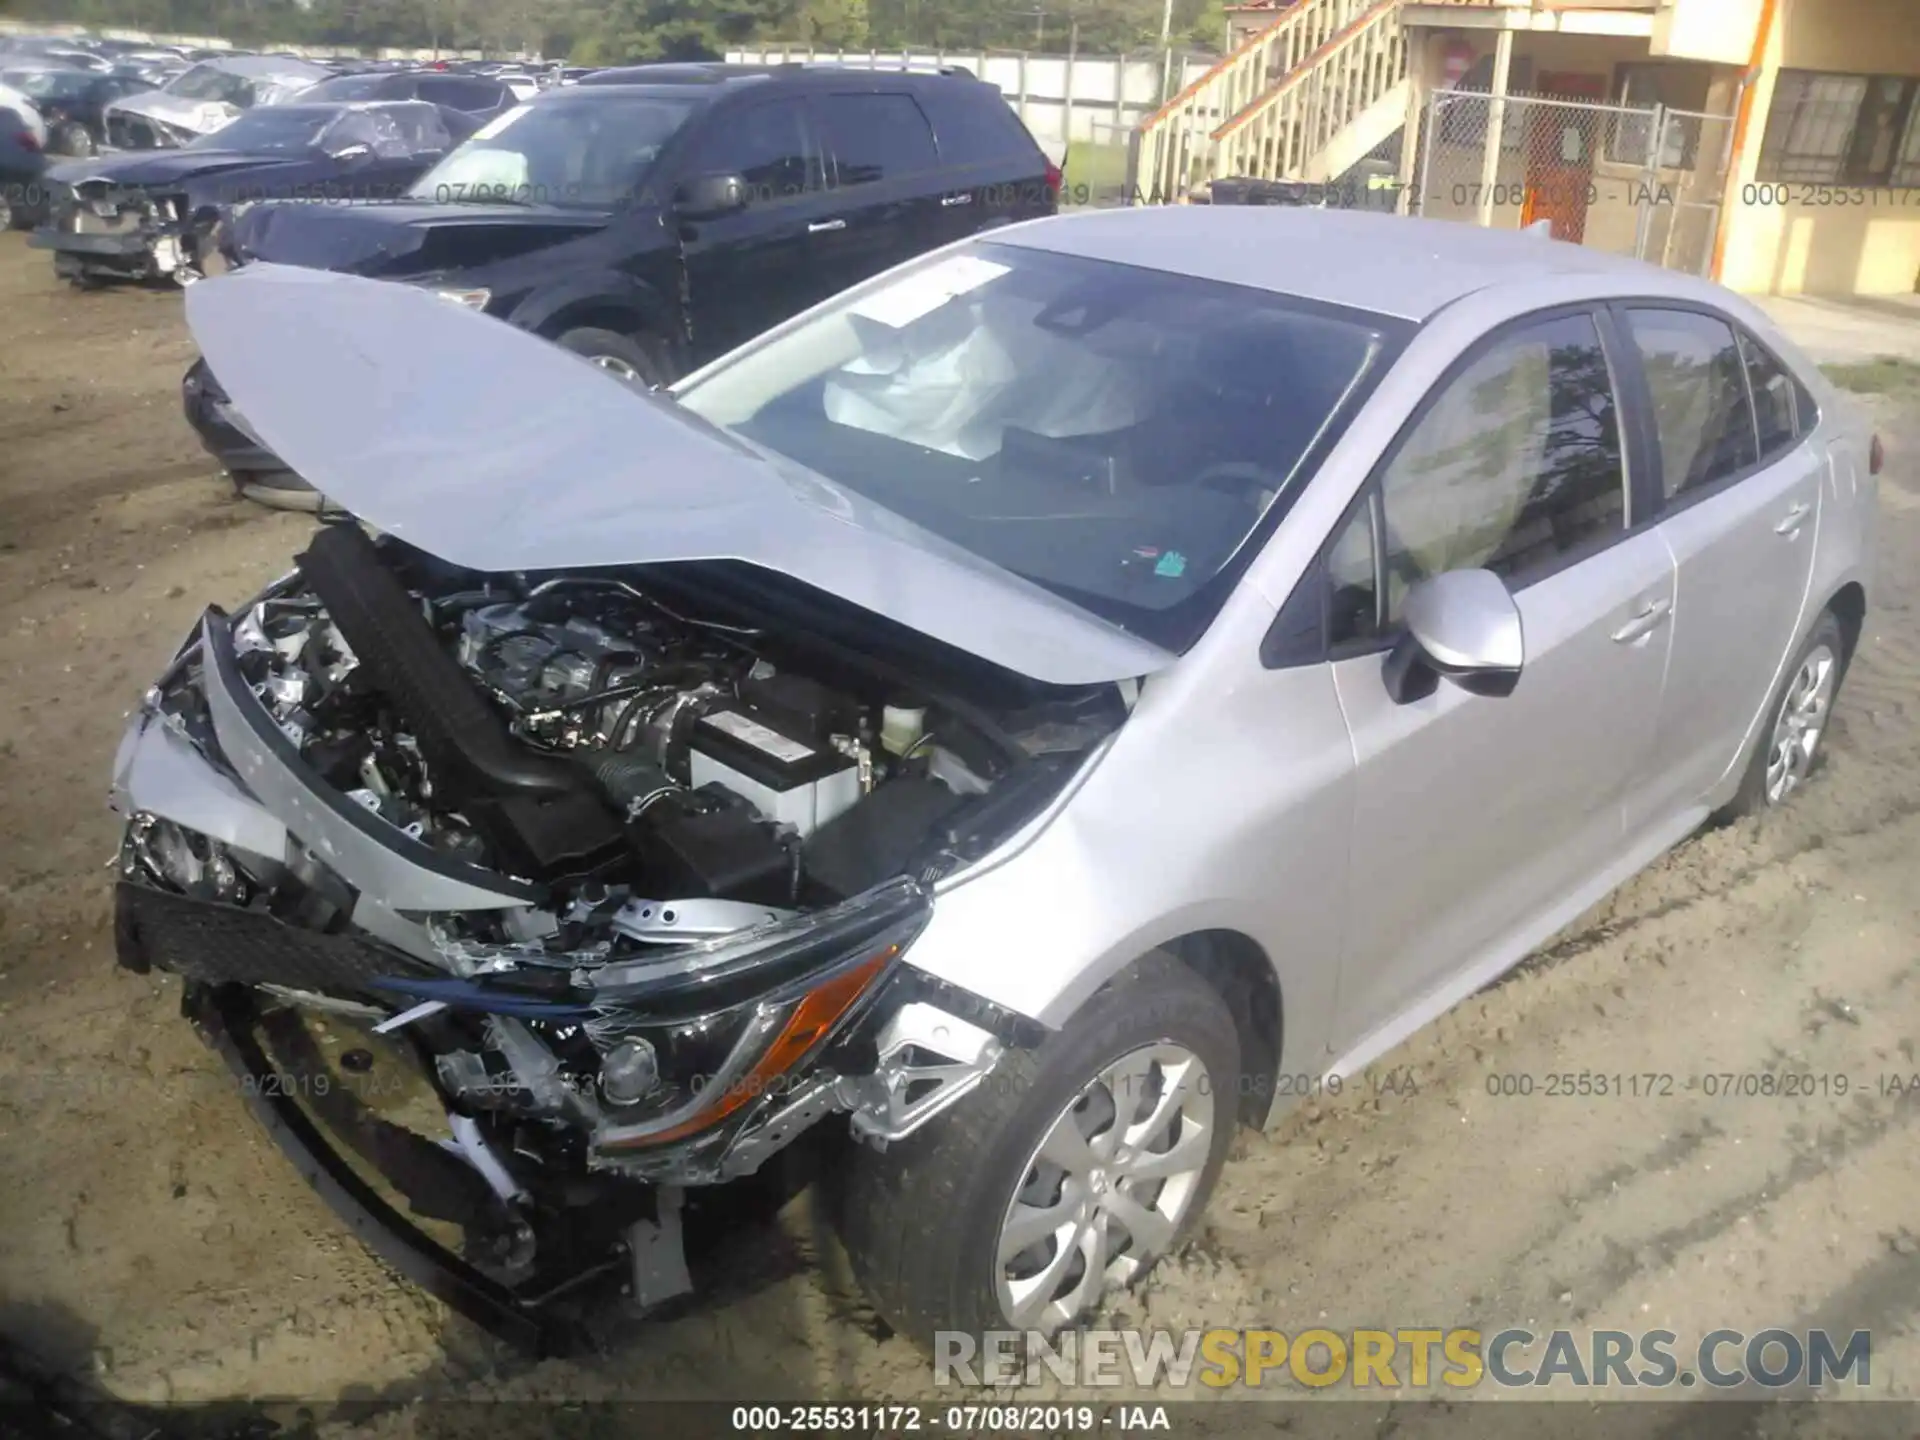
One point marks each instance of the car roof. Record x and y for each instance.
(732, 76)
(342, 107)
(268, 66)
(1367, 260)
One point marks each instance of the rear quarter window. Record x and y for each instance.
(977, 127)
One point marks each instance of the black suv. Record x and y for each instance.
(653, 217)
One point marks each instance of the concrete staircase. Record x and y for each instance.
(1304, 99)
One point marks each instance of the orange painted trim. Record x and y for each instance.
(1742, 121)
(1299, 72)
(1220, 67)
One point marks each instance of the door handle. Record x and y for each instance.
(962, 199)
(1792, 520)
(1644, 623)
(816, 226)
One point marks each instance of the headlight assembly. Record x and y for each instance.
(669, 1072)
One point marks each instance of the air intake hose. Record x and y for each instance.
(466, 745)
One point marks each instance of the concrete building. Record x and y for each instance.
(1772, 143)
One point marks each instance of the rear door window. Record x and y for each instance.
(876, 136)
(1696, 377)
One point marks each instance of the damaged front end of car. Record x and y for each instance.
(132, 129)
(628, 893)
(100, 230)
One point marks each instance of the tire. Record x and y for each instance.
(922, 1221)
(631, 359)
(7, 220)
(73, 139)
(1803, 702)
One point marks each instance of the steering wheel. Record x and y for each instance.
(1240, 477)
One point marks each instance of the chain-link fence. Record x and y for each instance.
(1643, 182)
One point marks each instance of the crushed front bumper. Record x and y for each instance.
(97, 233)
(602, 1198)
(542, 1319)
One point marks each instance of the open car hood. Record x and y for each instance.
(491, 448)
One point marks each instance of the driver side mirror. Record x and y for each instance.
(1463, 624)
(704, 197)
(357, 151)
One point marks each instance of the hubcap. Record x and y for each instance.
(1106, 1189)
(1800, 723)
(616, 365)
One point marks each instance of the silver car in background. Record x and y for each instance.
(1046, 707)
(205, 98)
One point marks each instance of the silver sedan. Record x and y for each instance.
(1054, 703)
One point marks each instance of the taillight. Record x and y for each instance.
(1876, 456)
(28, 140)
(1055, 179)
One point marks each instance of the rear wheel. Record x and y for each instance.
(1796, 723)
(1074, 1168)
(632, 360)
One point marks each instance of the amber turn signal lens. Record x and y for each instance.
(811, 1021)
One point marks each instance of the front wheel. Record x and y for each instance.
(1073, 1168)
(618, 354)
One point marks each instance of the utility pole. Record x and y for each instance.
(1039, 14)
(1166, 50)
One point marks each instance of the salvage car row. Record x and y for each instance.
(647, 218)
(143, 200)
(94, 98)
(81, 97)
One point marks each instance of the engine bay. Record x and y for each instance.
(579, 733)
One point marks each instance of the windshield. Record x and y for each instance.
(269, 130)
(587, 155)
(1114, 434)
(204, 82)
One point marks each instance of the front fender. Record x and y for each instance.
(546, 309)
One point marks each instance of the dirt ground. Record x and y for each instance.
(149, 1235)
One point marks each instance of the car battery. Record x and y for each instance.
(790, 779)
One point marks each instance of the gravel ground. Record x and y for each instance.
(153, 1239)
